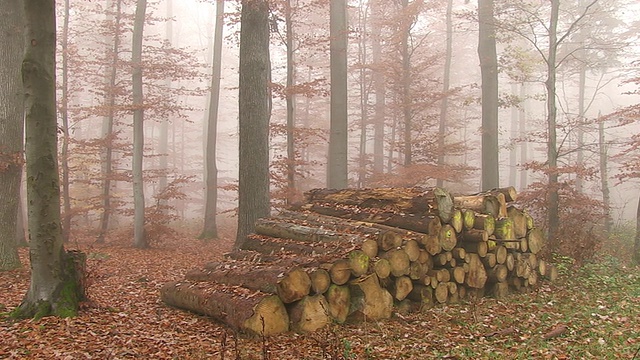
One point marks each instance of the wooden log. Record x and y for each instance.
(242, 309)
(399, 262)
(320, 281)
(504, 229)
(382, 268)
(448, 239)
(459, 253)
(452, 287)
(542, 267)
(412, 249)
(422, 224)
(515, 282)
(479, 248)
(552, 273)
(417, 270)
(416, 200)
(280, 228)
(457, 274)
(340, 272)
(432, 244)
(468, 219)
(489, 261)
(497, 273)
(369, 301)
(270, 245)
(536, 240)
(295, 285)
(370, 248)
(510, 262)
(456, 221)
(423, 295)
(519, 221)
(309, 314)
(530, 222)
(358, 263)
(485, 222)
(483, 204)
(338, 301)
(523, 245)
(402, 286)
(533, 278)
(477, 275)
(499, 290)
(510, 194)
(441, 293)
(475, 235)
(501, 254)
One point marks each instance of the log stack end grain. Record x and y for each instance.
(357, 254)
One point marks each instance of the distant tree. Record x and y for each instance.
(254, 112)
(11, 129)
(210, 230)
(446, 80)
(64, 115)
(489, 68)
(379, 88)
(139, 238)
(55, 287)
(338, 136)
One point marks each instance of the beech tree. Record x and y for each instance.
(139, 238)
(338, 139)
(210, 230)
(55, 287)
(254, 111)
(11, 129)
(489, 68)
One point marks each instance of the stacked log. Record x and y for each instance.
(353, 254)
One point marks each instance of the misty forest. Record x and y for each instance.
(319, 179)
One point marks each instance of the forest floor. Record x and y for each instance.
(592, 312)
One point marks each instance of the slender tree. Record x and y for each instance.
(11, 129)
(379, 88)
(64, 115)
(254, 111)
(210, 230)
(446, 79)
(55, 288)
(552, 109)
(338, 136)
(139, 239)
(489, 70)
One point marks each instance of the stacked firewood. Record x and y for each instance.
(355, 254)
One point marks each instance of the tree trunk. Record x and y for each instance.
(210, 230)
(338, 299)
(11, 129)
(379, 88)
(243, 309)
(604, 177)
(552, 151)
(291, 100)
(55, 287)
(368, 300)
(444, 105)
(406, 84)
(64, 115)
(255, 108)
(489, 70)
(364, 94)
(108, 124)
(338, 135)
(163, 133)
(139, 236)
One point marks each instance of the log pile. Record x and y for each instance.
(356, 254)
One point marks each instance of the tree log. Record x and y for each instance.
(309, 314)
(497, 274)
(519, 221)
(369, 301)
(399, 262)
(370, 247)
(468, 219)
(510, 262)
(338, 300)
(412, 249)
(270, 245)
(501, 254)
(535, 240)
(441, 293)
(457, 274)
(423, 295)
(422, 224)
(504, 229)
(358, 263)
(243, 309)
(402, 286)
(499, 290)
(456, 221)
(420, 201)
(483, 204)
(489, 260)
(320, 281)
(475, 235)
(477, 275)
(485, 222)
(448, 239)
(295, 285)
(382, 268)
(479, 248)
(340, 272)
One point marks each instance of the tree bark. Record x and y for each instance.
(11, 129)
(255, 107)
(139, 236)
(243, 309)
(210, 230)
(55, 287)
(64, 115)
(553, 200)
(338, 134)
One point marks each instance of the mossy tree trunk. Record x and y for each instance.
(55, 287)
(11, 129)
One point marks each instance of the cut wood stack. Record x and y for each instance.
(354, 254)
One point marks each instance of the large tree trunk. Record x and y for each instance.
(64, 115)
(55, 287)
(290, 98)
(243, 309)
(210, 230)
(338, 136)
(255, 106)
(139, 238)
(11, 129)
(489, 69)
